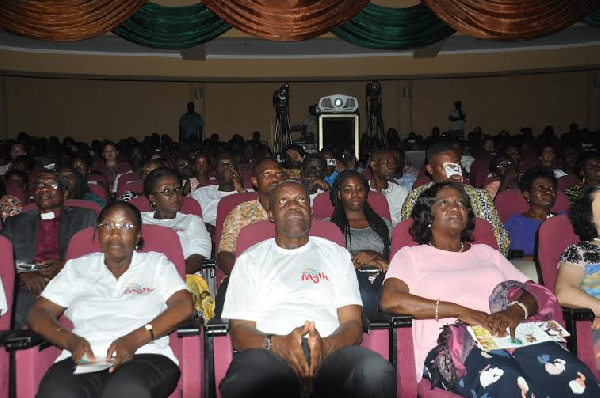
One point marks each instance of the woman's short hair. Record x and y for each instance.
(532, 174)
(154, 176)
(580, 214)
(16, 172)
(423, 217)
(137, 216)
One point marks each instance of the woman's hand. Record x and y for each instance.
(34, 281)
(509, 318)
(78, 347)
(473, 317)
(122, 350)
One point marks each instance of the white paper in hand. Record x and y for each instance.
(85, 366)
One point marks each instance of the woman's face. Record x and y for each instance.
(118, 233)
(69, 178)
(201, 166)
(110, 153)
(449, 211)
(591, 170)
(15, 181)
(168, 195)
(149, 169)
(81, 166)
(547, 156)
(542, 193)
(352, 193)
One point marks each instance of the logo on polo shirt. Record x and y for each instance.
(134, 288)
(311, 274)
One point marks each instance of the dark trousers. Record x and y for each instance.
(369, 293)
(220, 297)
(24, 302)
(352, 371)
(541, 370)
(145, 376)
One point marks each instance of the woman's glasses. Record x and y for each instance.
(170, 191)
(125, 226)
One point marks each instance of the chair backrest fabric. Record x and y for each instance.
(99, 191)
(188, 205)
(565, 182)
(511, 202)
(227, 204)
(85, 204)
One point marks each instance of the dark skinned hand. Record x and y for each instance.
(473, 317)
(34, 281)
(78, 347)
(122, 349)
(289, 348)
(51, 268)
(509, 318)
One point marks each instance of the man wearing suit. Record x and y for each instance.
(41, 237)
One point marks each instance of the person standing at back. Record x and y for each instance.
(190, 124)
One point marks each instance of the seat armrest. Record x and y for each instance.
(578, 314)
(22, 339)
(401, 321)
(390, 321)
(210, 265)
(191, 327)
(217, 327)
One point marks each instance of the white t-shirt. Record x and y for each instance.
(395, 195)
(103, 308)
(312, 196)
(3, 303)
(456, 124)
(209, 197)
(280, 289)
(193, 236)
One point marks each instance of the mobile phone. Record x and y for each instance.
(369, 269)
(29, 267)
(452, 169)
(331, 162)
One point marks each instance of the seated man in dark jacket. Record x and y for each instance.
(42, 237)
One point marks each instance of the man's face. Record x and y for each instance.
(136, 157)
(436, 167)
(313, 169)
(225, 165)
(110, 153)
(291, 210)
(383, 165)
(47, 193)
(267, 176)
(16, 151)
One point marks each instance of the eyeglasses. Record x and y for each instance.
(170, 191)
(49, 185)
(544, 188)
(125, 226)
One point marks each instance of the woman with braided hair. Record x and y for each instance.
(367, 235)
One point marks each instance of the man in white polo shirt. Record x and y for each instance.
(295, 314)
(383, 168)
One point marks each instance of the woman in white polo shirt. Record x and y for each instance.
(164, 191)
(122, 304)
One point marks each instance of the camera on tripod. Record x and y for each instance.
(374, 89)
(281, 98)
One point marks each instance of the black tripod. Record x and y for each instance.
(283, 137)
(375, 129)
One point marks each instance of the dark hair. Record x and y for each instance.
(496, 161)
(83, 156)
(154, 176)
(313, 157)
(438, 147)
(583, 159)
(80, 183)
(536, 172)
(259, 163)
(107, 143)
(199, 154)
(580, 214)
(25, 159)
(20, 173)
(297, 148)
(423, 217)
(129, 207)
(542, 147)
(339, 215)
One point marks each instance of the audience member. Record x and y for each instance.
(447, 278)
(110, 167)
(230, 182)
(383, 168)
(190, 124)
(367, 236)
(334, 166)
(41, 237)
(538, 186)
(17, 148)
(403, 176)
(201, 167)
(76, 186)
(100, 293)
(457, 121)
(163, 189)
(294, 155)
(144, 171)
(137, 157)
(443, 164)
(15, 198)
(504, 175)
(578, 267)
(314, 169)
(588, 169)
(293, 286)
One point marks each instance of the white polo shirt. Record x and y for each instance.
(193, 236)
(103, 308)
(280, 289)
(3, 303)
(209, 197)
(396, 196)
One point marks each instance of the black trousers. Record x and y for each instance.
(352, 371)
(369, 293)
(24, 302)
(220, 297)
(145, 376)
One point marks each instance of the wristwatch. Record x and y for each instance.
(267, 342)
(148, 327)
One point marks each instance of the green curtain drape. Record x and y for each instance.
(172, 28)
(387, 28)
(593, 19)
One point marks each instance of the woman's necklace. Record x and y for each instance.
(462, 246)
(550, 215)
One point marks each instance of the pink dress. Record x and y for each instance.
(466, 279)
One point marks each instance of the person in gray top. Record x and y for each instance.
(367, 235)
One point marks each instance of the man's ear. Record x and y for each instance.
(254, 182)
(429, 169)
(270, 215)
(526, 196)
